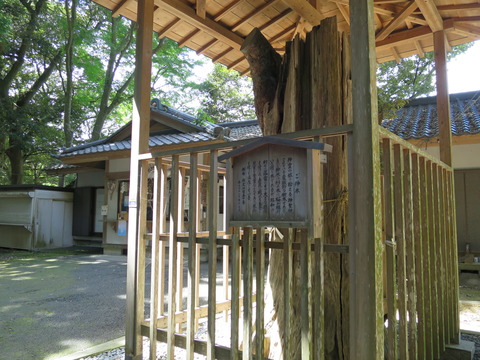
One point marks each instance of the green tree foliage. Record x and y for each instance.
(226, 96)
(66, 75)
(401, 82)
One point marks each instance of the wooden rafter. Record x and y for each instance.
(236, 62)
(413, 18)
(396, 55)
(473, 6)
(189, 37)
(305, 10)
(419, 48)
(467, 29)
(254, 13)
(169, 27)
(276, 19)
(431, 14)
(396, 21)
(299, 28)
(201, 8)
(121, 5)
(216, 30)
(207, 46)
(226, 10)
(221, 55)
(344, 11)
(407, 36)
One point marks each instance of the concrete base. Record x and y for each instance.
(463, 351)
(110, 249)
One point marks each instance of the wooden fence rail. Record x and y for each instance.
(420, 272)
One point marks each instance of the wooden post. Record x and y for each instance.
(366, 282)
(443, 101)
(140, 133)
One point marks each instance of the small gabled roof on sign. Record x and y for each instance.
(276, 140)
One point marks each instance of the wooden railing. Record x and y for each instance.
(420, 276)
(421, 279)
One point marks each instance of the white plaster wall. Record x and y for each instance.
(119, 165)
(464, 156)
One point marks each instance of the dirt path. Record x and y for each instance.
(52, 306)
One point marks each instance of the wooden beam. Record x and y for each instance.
(346, 13)
(443, 100)
(201, 8)
(216, 30)
(253, 13)
(305, 10)
(419, 48)
(467, 29)
(407, 36)
(431, 14)
(366, 281)
(226, 10)
(188, 38)
(140, 134)
(396, 21)
(167, 28)
(453, 7)
(120, 6)
(207, 46)
(396, 55)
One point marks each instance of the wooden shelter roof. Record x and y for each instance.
(217, 28)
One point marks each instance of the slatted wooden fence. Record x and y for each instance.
(420, 277)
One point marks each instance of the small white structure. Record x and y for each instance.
(35, 217)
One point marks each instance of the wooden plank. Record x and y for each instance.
(260, 292)
(419, 256)
(186, 13)
(287, 289)
(366, 285)
(212, 211)
(425, 224)
(439, 258)
(162, 274)
(432, 257)
(155, 280)
(431, 14)
(401, 249)
(192, 255)
(443, 99)
(450, 260)
(201, 8)
(180, 228)
(235, 310)
(392, 333)
(225, 275)
(172, 260)
(396, 21)
(140, 133)
(410, 255)
(454, 247)
(305, 10)
(305, 293)
(247, 269)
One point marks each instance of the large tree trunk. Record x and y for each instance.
(15, 155)
(312, 90)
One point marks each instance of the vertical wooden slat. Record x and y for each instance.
(305, 278)
(401, 248)
(425, 221)
(180, 228)
(453, 235)
(287, 289)
(445, 263)
(390, 249)
(198, 247)
(225, 276)
(212, 209)
(172, 260)
(247, 291)
(162, 246)
(432, 261)
(410, 256)
(419, 256)
(449, 258)
(155, 280)
(192, 241)
(260, 287)
(235, 310)
(438, 257)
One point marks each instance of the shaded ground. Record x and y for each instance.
(59, 302)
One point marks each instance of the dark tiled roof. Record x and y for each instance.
(240, 130)
(418, 119)
(158, 140)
